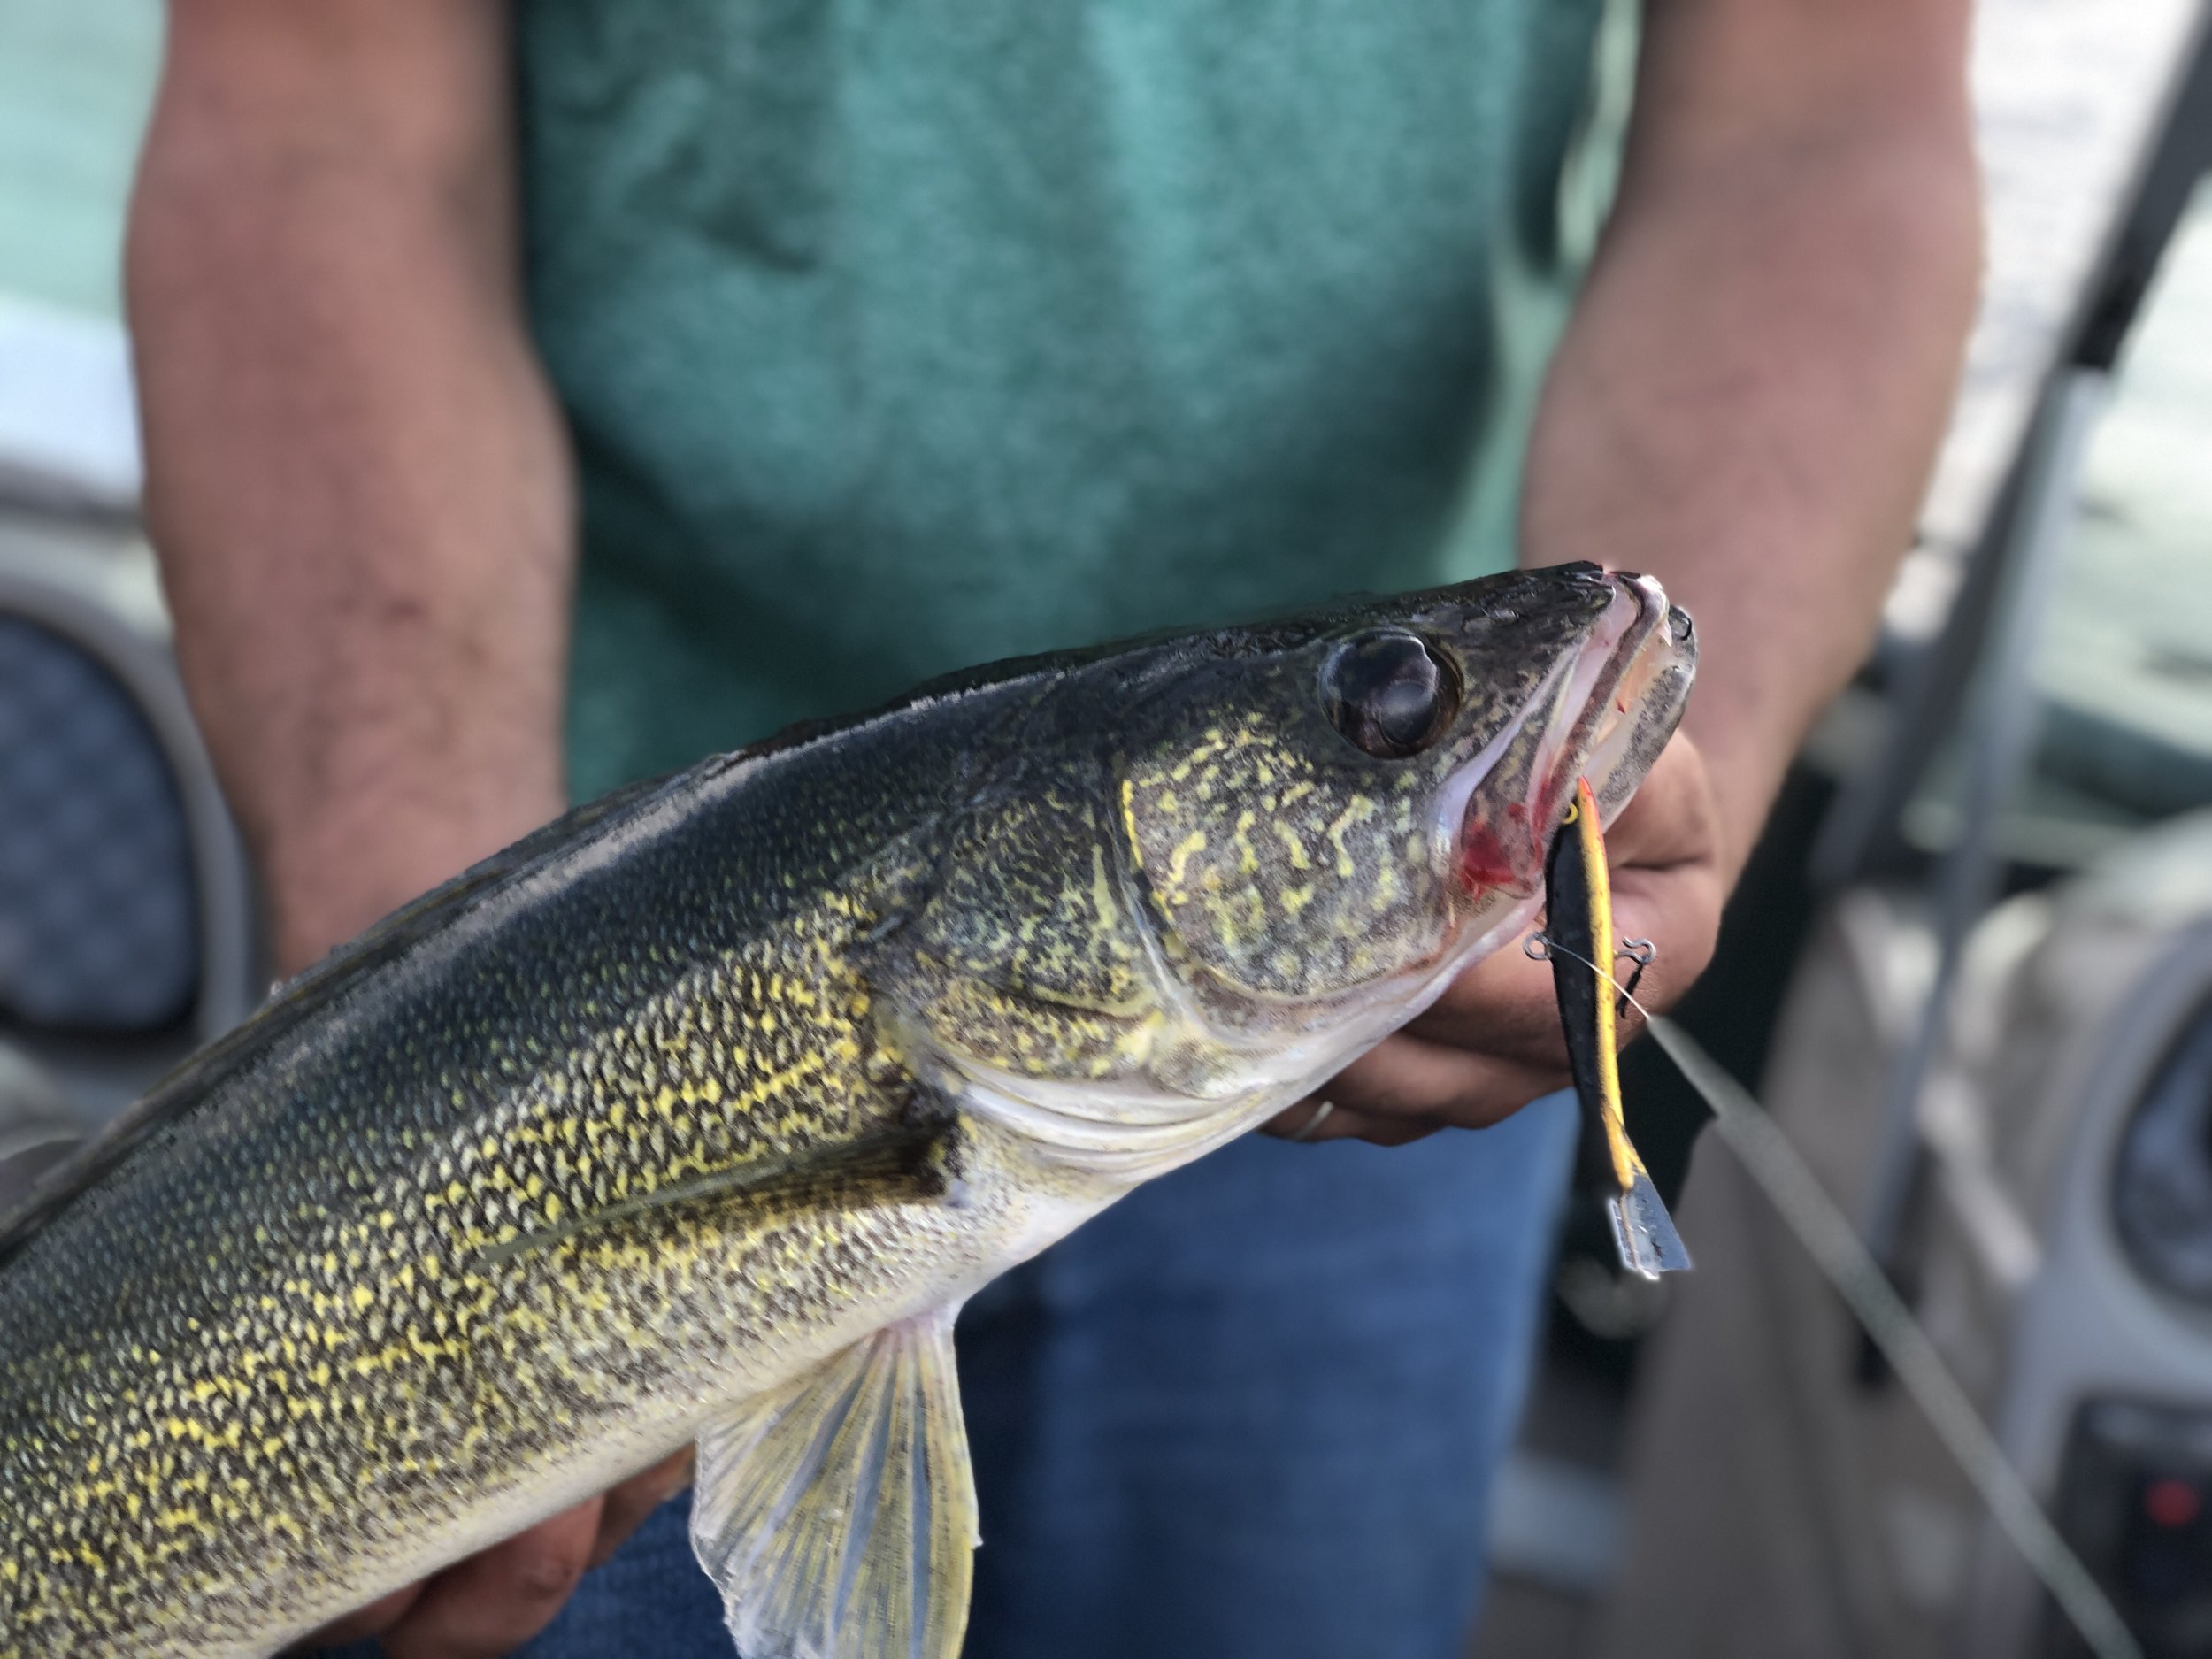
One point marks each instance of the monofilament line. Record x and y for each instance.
(1795, 1192)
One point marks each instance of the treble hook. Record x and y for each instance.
(1643, 953)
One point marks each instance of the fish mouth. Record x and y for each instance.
(1625, 696)
(1603, 714)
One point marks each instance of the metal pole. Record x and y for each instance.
(2000, 737)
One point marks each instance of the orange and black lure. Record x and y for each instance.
(1579, 939)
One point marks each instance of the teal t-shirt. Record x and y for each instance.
(901, 334)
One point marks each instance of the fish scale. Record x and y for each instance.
(360, 1361)
(696, 1114)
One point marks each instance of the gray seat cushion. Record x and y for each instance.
(97, 923)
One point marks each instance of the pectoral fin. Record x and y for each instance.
(837, 1514)
(895, 1162)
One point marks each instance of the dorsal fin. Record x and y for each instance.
(307, 995)
(298, 1001)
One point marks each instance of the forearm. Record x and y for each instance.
(359, 491)
(1750, 397)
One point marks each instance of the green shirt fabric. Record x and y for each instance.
(902, 335)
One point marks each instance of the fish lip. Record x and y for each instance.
(1639, 606)
(1631, 643)
(1654, 682)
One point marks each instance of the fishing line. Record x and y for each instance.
(1829, 1238)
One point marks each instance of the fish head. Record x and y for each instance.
(1335, 813)
(1217, 868)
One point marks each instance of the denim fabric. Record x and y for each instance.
(1251, 1412)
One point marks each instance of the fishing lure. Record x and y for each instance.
(1578, 940)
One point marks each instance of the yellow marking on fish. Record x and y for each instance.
(1360, 809)
(1386, 893)
(1179, 861)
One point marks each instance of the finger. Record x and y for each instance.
(625, 1507)
(1670, 820)
(1307, 1122)
(1409, 1077)
(1435, 1083)
(1313, 1118)
(380, 1615)
(1385, 1131)
(1505, 1005)
(1679, 910)
(495, 1601)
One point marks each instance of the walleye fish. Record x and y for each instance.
(696, 1116)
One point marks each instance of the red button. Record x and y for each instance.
(2171, 1503)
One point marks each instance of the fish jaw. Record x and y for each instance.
(1603, 714)
(1222, 1058)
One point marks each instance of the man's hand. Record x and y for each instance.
(492, 1603)
(1493, 1043)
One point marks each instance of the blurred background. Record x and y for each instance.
(1971, 972)
(126, 934)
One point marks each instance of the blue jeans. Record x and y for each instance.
(1251, 1412)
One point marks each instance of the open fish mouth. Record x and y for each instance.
(1626, 691)
(1603, 714)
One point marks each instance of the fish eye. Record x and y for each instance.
(1389, 693)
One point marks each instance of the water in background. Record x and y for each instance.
(76, 77)
(2127, 666)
